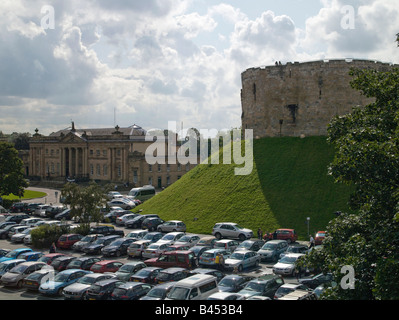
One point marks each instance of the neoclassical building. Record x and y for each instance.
(105, 154)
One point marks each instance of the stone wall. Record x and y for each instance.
(300, 98)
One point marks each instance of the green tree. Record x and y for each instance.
(367, 157)
(11, 171)
(86, 201)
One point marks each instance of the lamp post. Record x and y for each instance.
(308, 222)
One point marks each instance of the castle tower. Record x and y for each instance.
(300, 98)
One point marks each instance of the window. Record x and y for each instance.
(119, 170)
(98, 169)
(168, 167)
(168, 180)
(159, 168)
(91, 152)
(135, 176)
(178, 167)
(104, 153)
(207, 287)
(187, 167)
(105, 170)
(98, 153)
(149, 168)
(91, 169)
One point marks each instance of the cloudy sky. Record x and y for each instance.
(100, 63)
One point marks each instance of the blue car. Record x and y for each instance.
(8, 265)
(14, 254)
(31, 256)
(61, 280)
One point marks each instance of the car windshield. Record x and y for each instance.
(164, 276)
(178, 293)
(61, 277)
(3, 267)
(207, 255)
(154, 246)
(19, 269)
(75, 263)
(227, 282)
(237, 256)
(284, 290)
(143, 273)
(99, 241)
(127, 268)
(168, 237)
(156, 293)
(288, 260)
(11, 254)
(117, 242)
(87, 280)
(86, 239)
(269, 246)
(245, 244)
(255, 286)
(185, 239)
(120, 292)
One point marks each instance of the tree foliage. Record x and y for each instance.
(11, 171)
(367, 157)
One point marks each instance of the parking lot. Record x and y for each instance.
(11, 293)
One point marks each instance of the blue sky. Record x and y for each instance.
(151, 62)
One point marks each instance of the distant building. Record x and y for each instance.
(106, 154)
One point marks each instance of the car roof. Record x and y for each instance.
(277, 241)
(107, 281)
(70, 271)
(173, 269)
(13, 261)
(294, 255)
(103, 262)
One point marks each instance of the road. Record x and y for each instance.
(21, 294)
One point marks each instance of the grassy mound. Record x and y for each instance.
(289, 183)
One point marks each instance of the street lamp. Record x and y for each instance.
(308, 222)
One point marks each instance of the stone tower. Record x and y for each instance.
(300, 98)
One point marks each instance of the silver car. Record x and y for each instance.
(77, 290)
(17, 274)
(242, 259)
(190, 240)
(155, 250)
(231, 230)
(286, 265)
(172, 226)
(125, 204)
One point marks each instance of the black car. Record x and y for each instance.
(172, 274)
(114, 214)
(253, 245)
(102, 290)
(3, 252)
(151, 223)
(17, 218)
(233, 282)
(30, 209)
(83, 263)
(106, 230)
(130, 291)
(4, 231)
(317, 280)
(100, 243)
(265, 286)
(159, 291)
(213, 272)
(52, 211)
(65, 214)
(18, 207)
(137, 222)
(117, 247)
(60, 263)
(146, 275)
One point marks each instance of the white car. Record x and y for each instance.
(19, 237)
(231, 230)
(31, 221)
(242, 259)
(154, 250)
(190, 240)
(226, 296)
(125, 204)
(286, 265)
(171, 237)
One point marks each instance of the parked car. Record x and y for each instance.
(196, 287)
(183, 259)
(61, 280)
(286, 265)
(198, 251)
(287, 288)
(66, 241)
(178, 247)
(136, 248)
(128, 269)
(172, 226)
(295, 248)
(106, 266)
(32, 255)
(113, 215)
(33, 281)
(124, 203)
(226, 296)
(136, 222)
(151, 224)
(171, 237)
(114, 194)
(49, 258)
(15, 254)
(84, 263)
(130, 291)
(117, 247)
(271, 250)
(6, 266)
(96, 246)
(30, 222)
(60, 263)
(63, 215)
(3, 252)
(146, 275)
(154, 250)
(213, 272)
(159, 291)
(188, 239)
(233, 282)
(102, 290)
(106, 230)
(288, 235)
(77, 290)
(153, 236)
(4, 231)
(137, 234)
(172, 274)
(207, 241)
(15, 276)
(18, 207)
(16, 230)
(208, 258)
(319, 237)
(253, 245)
(86, 241)
(227, 244)
(317, 280)
(231, 230)
(240, 260)
(40, 210)
(31, 207)
(19, 237)
(299, 295)
(53, 210)
(121, 220)
(266, 286)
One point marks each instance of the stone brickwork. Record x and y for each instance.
(298, 99)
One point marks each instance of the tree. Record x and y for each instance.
(85, 202)
(11, 171)
(367, 157)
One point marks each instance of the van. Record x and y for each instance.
(196, 287)
(142, 193)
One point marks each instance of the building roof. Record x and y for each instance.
(133, 130)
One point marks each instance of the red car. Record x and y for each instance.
(66, 241)
(282, 234)
(106, 266)
(182, 259)
(319, 237)
(48, 258)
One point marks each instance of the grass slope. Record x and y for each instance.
(289, 183)
(28, 194)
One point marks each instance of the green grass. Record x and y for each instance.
(289, 183)
(28, 194)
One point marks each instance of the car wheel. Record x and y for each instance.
(257, 263)
(240, 268)
(118, 253)
(289, 241)
(19, 284)
(241, 237)
(218, 236)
